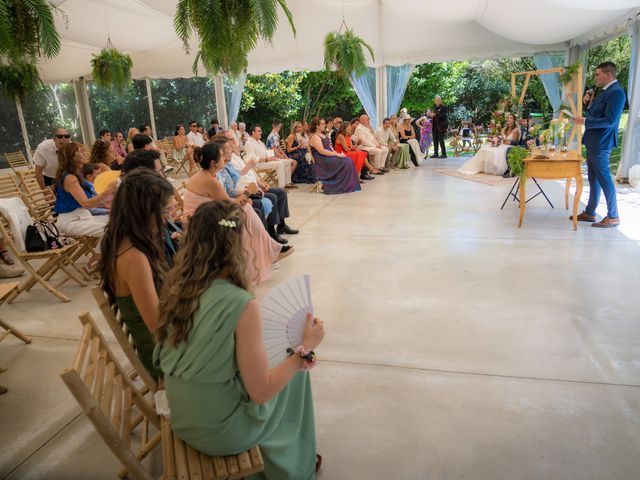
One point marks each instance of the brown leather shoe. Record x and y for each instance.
(584, 217)
(607, 222)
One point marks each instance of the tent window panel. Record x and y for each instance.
(178, 101)
(117, 112)
(50, 107)
(10, 134)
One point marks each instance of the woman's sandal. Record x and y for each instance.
(5, 258)
(318, 462)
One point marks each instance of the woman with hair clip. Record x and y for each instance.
(75, 196)
(224, 398)
(261, 250)
(134, 261)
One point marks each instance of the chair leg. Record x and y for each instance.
(36, 277)
(14, 331)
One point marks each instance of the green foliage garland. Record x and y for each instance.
(569, 72)
(344, 53)
(111, 69)
(27, 29)
(19, 78)
(515, 159)
(227, 30)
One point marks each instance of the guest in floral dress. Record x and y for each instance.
(426, 135)
(298, 149)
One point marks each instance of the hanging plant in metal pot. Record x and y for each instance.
(227, 30)
(27, 32)
(344, 52)
(111, 68)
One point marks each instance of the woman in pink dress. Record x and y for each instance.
(261, 250)
(426, 134)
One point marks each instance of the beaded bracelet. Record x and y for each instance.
(309, 359)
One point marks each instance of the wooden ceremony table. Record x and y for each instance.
(566, 165)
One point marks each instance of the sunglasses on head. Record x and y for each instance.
(63, 135)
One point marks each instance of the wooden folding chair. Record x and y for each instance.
(108, 396)
(17, 161)
(268, 175)
(121, 332)
(5, 290)
(177, 165)
(54, 260)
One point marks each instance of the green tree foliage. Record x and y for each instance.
(617, 51)
(328, 93)
(50, 107)
(118, 112)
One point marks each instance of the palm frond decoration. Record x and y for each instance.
(227, 30)
(19, 78)
(111, 69)
(344, 53)
(27, 29)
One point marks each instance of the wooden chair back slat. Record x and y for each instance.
(17, 160)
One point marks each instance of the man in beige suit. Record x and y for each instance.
(367, 141)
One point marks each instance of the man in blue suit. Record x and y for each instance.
(600, 136)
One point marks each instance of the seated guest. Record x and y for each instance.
(105, 135)
(200, 130)
(194, 137)
(75, 196)
(46, 157)
(335, 170)
(276, 218)
(242, 133)
(367, 142)
(337, 123)
(274, 143)
(182, 149)
(261, 250)
(215, 128)
(408, 136)
(90, 171)
(223, 396)
(130, 134)
(385, 136)
(142, 158)
(119, 152)
(102, 155)
(266, 159)
(133, 263)
(146, 129)
(328, 129)
(233, 127)
(359, 157)
(298, 149)
(511, 132)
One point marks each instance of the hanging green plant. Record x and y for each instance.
(569, 72)
(515, 159)
(27, 29)
(19, 78)
(344, 53)
(111, 69)
(227, 30)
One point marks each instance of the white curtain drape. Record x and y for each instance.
(631, 143)
(233, 88)
(551, 81)
(397, 81)
(365, 87)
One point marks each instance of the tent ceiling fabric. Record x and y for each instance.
(410, 31)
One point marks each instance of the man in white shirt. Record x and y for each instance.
(265, 159)
(368, 142)
(46, 157)
(385, 136)
(146, 129)
(194, 137)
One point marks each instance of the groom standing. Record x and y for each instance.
(600, 136)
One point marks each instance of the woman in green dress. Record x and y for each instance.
(223, 396)
(133, 260)
(403, 155)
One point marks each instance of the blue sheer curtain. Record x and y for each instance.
(631, 143)
(397, 81)
(365, 87)
(551, 81)
(233, 88)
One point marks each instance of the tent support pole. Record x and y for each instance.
(23, 129)
(221, 104)
(152, 116)
(84, 111)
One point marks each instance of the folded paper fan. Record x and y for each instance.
(284, 314)
(105, 179)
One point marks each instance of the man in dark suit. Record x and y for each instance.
(439, 129)
(600, 136)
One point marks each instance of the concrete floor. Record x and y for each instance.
(458, 346)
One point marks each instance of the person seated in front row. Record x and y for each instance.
(261, 250)
(133, 263)
(277, 197)
(367, 142)
(335, 170)
(224, 397)
(102, 155)
(359, 157)
(266, 159)
(75, 196)
(298, 149)
(274, 143)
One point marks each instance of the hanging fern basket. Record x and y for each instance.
(111, 69)
(19, 78)
(344, 53)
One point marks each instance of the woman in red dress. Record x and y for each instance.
(359, 157)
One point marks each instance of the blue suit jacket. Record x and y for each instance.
(603, 117)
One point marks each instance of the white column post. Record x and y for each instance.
(152, 116)
(221, 104)
(84, 111)
(23, 128)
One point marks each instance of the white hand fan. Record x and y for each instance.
(284, 314)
